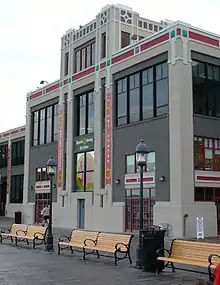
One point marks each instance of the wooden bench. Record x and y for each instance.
(12, 232)
(35, 233)
(199, 254)
(76, 239)
(116, 244)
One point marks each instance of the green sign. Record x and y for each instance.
(84, 143)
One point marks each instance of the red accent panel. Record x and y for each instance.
(83, 73)
(131, 180)
(208, 178)
(38, 187)
(155, 42)
(102, 65)
(108, 139)
(6, 134)
(147, 179)
(178, 32)
(53, 87)
(65, 81)
(22, 129)
(36, 95)
(14, 132)
(60, 148)
(204, 39)
(123, 56)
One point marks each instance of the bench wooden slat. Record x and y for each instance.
(32, 230)
(14, 229)
(79, 236)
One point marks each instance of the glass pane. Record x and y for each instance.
(135, 193)
(80, 183)
(208, 159)
(130, 166)
(201, 68)
(82, 120)
(199, 194)
(90, 112)
(90, 160)
(42, 126)
(122, 108)
(56, 121)
(210, 143)
(158, 72)
(162, 96)
(198, 155)
(89, 181)
(134, 105)
(80, 166)
(164, 70)
(217, 160)
(209, 194)
(147, 101)
(151, 161)
(80, 169)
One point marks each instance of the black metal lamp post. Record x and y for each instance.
(51, 170)
(141, 160)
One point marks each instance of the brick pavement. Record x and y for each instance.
(23, 266)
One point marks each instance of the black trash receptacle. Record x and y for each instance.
(18, 217)
(153, 239)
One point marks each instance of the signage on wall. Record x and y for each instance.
(108, 139)
(200, 227)
(9, 169)
(60, 156)
(84, 143)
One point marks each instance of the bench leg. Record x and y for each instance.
(0, 238)
(16, 241)
(34, 244)
(11, 239)
(129, 257)
(97, 252)
(71, 248)
(27, 241)
(116, 259)
(84, 254)
(59, 249)
(210, 273)
(172, 266)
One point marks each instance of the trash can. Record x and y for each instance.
(153, 239)
(18, 217)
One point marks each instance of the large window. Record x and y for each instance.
(45, 125)
(142, 95)
(3, 155)
(207, 194)
(85, 171)
(41, 174)
(84, 56)
(86, 113)
(17, 157)
(206, 89)
(132, 167)
(125, 39)
(16, 189)
(66, 64)
(206, 154)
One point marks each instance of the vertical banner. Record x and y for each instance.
(60, 149)
(9, 168)
(108, 138)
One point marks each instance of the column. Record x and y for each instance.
(8, 172)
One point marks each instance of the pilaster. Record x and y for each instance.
(8, 172)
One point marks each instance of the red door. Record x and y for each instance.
(42, 200)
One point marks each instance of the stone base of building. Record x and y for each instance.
(181, 218)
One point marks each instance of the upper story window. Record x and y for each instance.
(45, 125)
(66, 63)
(41, 174)
(206, 89)
(85, 107)
(3, 155)
(103, 45)
(17, 157)
(125, 39)
(206, 154)
(142, 95)
(132, 167)
(84, 56)
(16, 191)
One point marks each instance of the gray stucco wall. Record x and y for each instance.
(206, 126)
(155, 132)
(38, 158)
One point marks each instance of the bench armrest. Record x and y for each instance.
(21, 231)
(37, 234)
(210, 257)
(162, 250)
(118, 248)
(89, 239)
(5, 231)
(64, 239)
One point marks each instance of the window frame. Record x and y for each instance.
(215, 197)
(135, 164)
(17, 189)
(79, 65)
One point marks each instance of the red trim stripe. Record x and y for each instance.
(14, 132)
(33, 96)
(155, 42)
(131, 180)
(53, 87)
(22, 129)
(5, 135)
(102, 65)
(208, 178)
(147, 179)
(123, 56)
(204, 39)
(83, 73)
(65, 82)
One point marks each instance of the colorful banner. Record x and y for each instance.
(9, 169)
(60, 150)
(108, 139)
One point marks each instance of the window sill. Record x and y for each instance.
(206, 117)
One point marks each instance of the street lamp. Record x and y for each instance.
(141, 160)
(44, 81)
(51, 170)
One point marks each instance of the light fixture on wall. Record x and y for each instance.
(31, 188)
(117, 181)
(162, 178)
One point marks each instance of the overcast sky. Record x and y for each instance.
(30, 32)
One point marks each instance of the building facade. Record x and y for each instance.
(12, 149)
(123, 78)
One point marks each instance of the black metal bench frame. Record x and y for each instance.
(36, 238)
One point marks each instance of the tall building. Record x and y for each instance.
(123, 78)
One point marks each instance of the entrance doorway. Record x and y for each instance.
(132, 208)
(41, 200)
(3, 194)
(81, 213)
